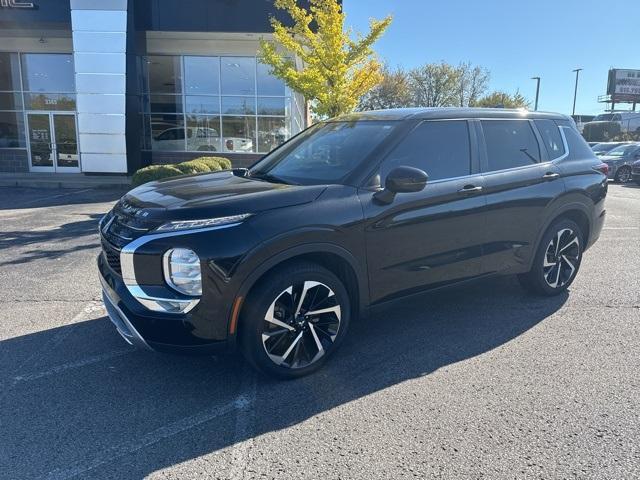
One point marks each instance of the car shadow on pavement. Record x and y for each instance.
(87, 405)
(60, 234)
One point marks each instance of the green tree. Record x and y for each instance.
(394, 91)
(337, 69)
(503, 99)
(435, 85)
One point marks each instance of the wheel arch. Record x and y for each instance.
(336, 259)
(575, 211)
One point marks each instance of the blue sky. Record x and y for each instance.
(515, 40)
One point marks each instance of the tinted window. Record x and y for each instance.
(551, 137)
(238, 75)
(46, 72)
(165, 74)
(578, 147)
(440, 148)
(324, 153)
(201, 75)
(510, 143)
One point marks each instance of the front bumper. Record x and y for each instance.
(152, 330)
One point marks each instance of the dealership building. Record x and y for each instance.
(109, 86)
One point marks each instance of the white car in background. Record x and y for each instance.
(201, 139)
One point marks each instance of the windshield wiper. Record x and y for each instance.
(267, 177)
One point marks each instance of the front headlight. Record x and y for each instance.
(182, 271)
(204, 223)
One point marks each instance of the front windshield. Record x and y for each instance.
(604, 117)
(325, 153)
(622, 150)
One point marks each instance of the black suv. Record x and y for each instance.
(349, 214)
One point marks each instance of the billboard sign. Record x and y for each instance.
(624, 85)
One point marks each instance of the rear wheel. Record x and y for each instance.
(294, 320)
(623, 175)
(557, 260)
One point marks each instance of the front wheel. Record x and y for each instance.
(557, 260)
(294, 320)
(623, 175)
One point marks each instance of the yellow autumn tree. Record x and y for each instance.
(337, 67)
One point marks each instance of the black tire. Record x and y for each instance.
(545, 279)
(623, 175)
(307, 342)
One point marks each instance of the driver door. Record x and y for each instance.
(433, 237)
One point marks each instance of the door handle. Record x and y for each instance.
(469, 190)
(550, 176)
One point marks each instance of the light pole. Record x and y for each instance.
(575, 91)
(537, 79)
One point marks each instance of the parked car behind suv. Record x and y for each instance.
(620, 160)
(635, 171)
(602, 148)
(349, 215)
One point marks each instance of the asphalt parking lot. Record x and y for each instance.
(480, 382)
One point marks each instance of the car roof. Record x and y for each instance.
(432, 113)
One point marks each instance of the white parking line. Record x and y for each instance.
(71, 365)
(108, 455)
(242, 436)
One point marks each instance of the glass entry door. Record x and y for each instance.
(53, 142)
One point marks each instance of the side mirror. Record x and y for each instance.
(401, 180)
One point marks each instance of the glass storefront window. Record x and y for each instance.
(267, 83)
(238, 75)
(167, 132)
(202, 104)
(165, 74)
(203, 133)
(50, 101)
(238, 105)
(165, 104)
(9, 72)
(272, 106)
(48, 72)
(239, 134)
(10, 101)
(12, 133)
(271, 133)
(202, 75)
(216, 107)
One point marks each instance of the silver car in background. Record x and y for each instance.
(620, 161)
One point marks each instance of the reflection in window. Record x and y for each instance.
(202, 75)
(238, 75)
(10, 101)
(50, 101)
(48, 72)
(271, 133)
(167, 132)
(238, 105)
(12, 133)
(217, 103)
(203, 133)
(9, 72)
(239, 134)
(202, 104)
(267, 83)
(164, 74)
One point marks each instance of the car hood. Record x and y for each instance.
(216, 194)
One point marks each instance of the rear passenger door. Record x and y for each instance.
(521, 181)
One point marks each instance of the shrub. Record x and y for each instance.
(192, 166)
(215, 163)
(154, 172)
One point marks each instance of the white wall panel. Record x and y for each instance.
(100, 143)
(100, 103)
(100, 62)
(101, 123)
(99, 5)
(99, 20)
(104, 163)
(105, 42)
(100, 83)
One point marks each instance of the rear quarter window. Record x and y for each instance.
(578, 148)
(551, 138)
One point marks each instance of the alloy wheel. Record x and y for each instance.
(561, 258)
(301, 324)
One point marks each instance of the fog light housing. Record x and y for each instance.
(182, 271)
